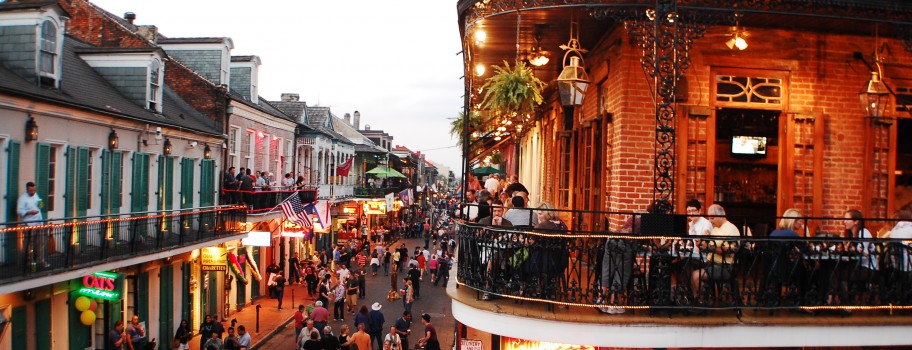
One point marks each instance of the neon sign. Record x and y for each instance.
(102, 285)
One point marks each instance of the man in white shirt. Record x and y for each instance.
(697, 224)
(492, 183)
(470, 212)
(28, 206)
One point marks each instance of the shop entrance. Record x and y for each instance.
(747, 167)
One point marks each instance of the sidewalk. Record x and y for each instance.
(271, 318)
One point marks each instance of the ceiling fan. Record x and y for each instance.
(736, 34)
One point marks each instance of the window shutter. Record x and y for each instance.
(186, 192)
(69, 197)
(42, 168)
(105, 182)
(140, 189)
(206, 182)
(19, 335)
(82, 182)
(142, 296)
(116, 192)
(12, 181)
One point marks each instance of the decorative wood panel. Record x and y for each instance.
(801, 165)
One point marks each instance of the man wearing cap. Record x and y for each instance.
(320, 316)
(376, 325)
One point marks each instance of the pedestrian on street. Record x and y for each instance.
(310, 277)
(363, 317)
(429, 340)
(343, 337)
(294, 276)
(376, 324)
(443, 270)
(415, 276)
(117, 337)
(299, 320)
(324, 291)
(183, 335)
(231, 341)
(386, 263)
(403, 328)
(392, 341)
(339, 302)
(205, 331)
(362, 283)
(305, 334)
(408, 295)
(243, 338)
(360, 339)
(320, 317)
(329, 341)
(280, 287)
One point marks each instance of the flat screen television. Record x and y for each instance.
(749, 145)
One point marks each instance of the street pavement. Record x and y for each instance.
(277, 329)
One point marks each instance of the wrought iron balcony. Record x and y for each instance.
(373, 192)
(60, 245)
(261, 201)
(634, 268)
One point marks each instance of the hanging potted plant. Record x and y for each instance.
(512, 90)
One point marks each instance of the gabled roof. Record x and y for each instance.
(82, 87)
(293, 109)
(200, 40)
(262, 106)
(361, 142)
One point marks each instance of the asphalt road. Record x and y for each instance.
(434, 301)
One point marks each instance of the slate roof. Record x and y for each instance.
(242, 58)
(200, 40)
(82, 87)
(262, 106)
(293, 109)
(362, 143)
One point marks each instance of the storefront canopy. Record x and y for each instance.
(384, 172)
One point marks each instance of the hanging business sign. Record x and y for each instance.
(214, 259)
(102, 285)
(374, 207)
(257, 239)
(470, 344)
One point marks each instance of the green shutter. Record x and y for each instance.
(207, 181)
(212, 305)
(185, 291)
(42, 325)
(169, 183)
(19, 323)
(140, 190)
(82, 182)
(113, 312)
(166, 306)
(69, 196)
(12, 182)
(116, 181)
(141, 307)
(80, 335)
(105, 182)
(186, 191)
(42, 168)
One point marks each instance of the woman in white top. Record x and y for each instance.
(854, 224)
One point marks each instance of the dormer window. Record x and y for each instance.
(155, 81)
(48, 54)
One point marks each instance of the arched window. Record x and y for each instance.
(47, 59)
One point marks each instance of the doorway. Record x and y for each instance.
(747, 167)
(903, 193)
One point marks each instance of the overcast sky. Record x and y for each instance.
(395, 62)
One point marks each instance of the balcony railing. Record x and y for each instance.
(373, 192)
(263, 201)
(635, 269)
(59, 245)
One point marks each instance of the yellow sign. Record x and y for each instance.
(374, 207)
(214, 259)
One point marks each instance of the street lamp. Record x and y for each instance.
(573, 80)
(875, 96)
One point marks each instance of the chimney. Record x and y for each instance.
(358, 121)
(288, 97)
(366, 126)
(348, 119)
(130, 17)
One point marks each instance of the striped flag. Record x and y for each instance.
(294, 211)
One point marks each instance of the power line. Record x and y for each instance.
(435, 149)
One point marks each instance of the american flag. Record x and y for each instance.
(294, 212)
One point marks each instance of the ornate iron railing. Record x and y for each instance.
(260, 201)
(689, 272)
(372, 192)
(59, 245)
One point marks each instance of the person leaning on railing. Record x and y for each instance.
(555, 256)
(492, 256)
(901, 276)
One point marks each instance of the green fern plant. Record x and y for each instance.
(512, 90)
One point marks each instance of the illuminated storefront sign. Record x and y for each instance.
(102, 285)
(374, 207)
(257, 239)
(470, 344)
(214, 259)
(349, 210)
(508, 343)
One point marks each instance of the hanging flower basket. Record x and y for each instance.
(512, 90)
